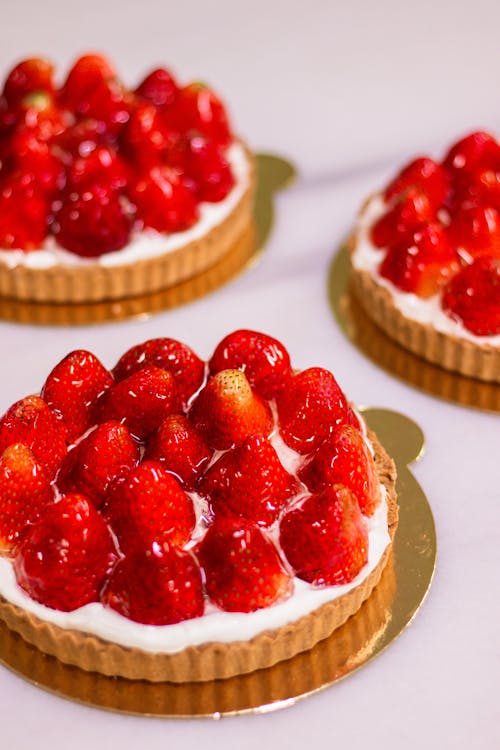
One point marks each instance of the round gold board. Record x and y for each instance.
(397, 360)
(380, 620)
(273, 174)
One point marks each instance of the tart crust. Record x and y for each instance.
(480, 361)
(95, 283)
(211, 660)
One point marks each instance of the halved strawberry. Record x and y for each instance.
(186, 367)
(158, 88)
(325, 538)
(33, 74)
(156, 587)
(163, 201)
(179, 449)
(105, 456)
(344, 459)
(310, 409)
(472, 296)
(242, 567)
(64, 560)
(141, 401)
(263, 359)
(227, 411)
(422, 262)
(31, 422)
(73, 388)
(475, 231)
(424, 174)
(25, 492)
(412, 209)
(150, 508)
(249, 482)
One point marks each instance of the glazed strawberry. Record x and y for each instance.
(104, 457)
(186, 367)
(73, 388)
(421, 263)
(158, 88)
(411, 210)
(199, 109)
(325, 538)
(86, 75)
(475, 231)
(34, 74)
(64, 559)
(31, 422)
(101, 166)
(156, 587)
(344, 459)
(92, 222)
(352, 418)
(25, 492)
(33, 159)
(146, 138)
(162, 201)
(424, 174)
(150, 508)
(472, 296)
(227, 411)
(242, 567)
(179, 449)
(39, 112)
(249, 482)
(310, 409)
(141, 401)
(263, 359)
(81, 139)
(477, 150)
(208, 170)
(24, 213)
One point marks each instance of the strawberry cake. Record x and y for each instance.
(109, 192)
(425, 258)
(181, 520)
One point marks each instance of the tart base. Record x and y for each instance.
(212, 660)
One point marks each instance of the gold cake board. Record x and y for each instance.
(377, 623)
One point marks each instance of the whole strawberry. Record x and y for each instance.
(199, 109)
(472, 297)
(150, 508)
(158, 88)
(146, 139)
(163, 202)
(179, 449)
(325, 538)
(475, 151)
(33, 74)
(263, 359)
(206, 166)
(24, 213)
(25, 492)
(65, 559)
(73, 388)
(31, 422)
(227, 411)
(310, 409)
(249, 482)
(243, 570)
(426, 175)
(156, 587)
(411, 210)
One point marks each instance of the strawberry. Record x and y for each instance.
(39, 112)
(227, 411)
(344, 459)
(146, 139)
(101, 166)
(162, 201)
(104, 457)
(141, 401)
(150, 508)
(80, 139)
(424, 174)
(310, 409)
(199, 109)
(73, 388)
(477, 150)
(64, 560)
(31, 422)
(92, 222)
(243, 570)
(34, 74)
(472, 296)
(33, 158)
(325, 538)
(86, 75)
(158, 88)
(475, 231)
(186, 367)
(249, 482)
(25, 492)
(264, 360)
(179, 449)
(24, 213)
(156, 587)
(411, 210)
(422, 262)
(352, 418)
(208, 170)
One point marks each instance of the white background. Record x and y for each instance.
(347, 90)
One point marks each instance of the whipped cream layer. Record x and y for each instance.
(368, 257)
(148, 243)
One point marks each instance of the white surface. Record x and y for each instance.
(348, 90)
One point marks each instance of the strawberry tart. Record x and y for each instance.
(425, 258)
(181, 520)
(108, 192)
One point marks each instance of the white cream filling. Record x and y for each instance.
(367, 257)
(145, 244)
